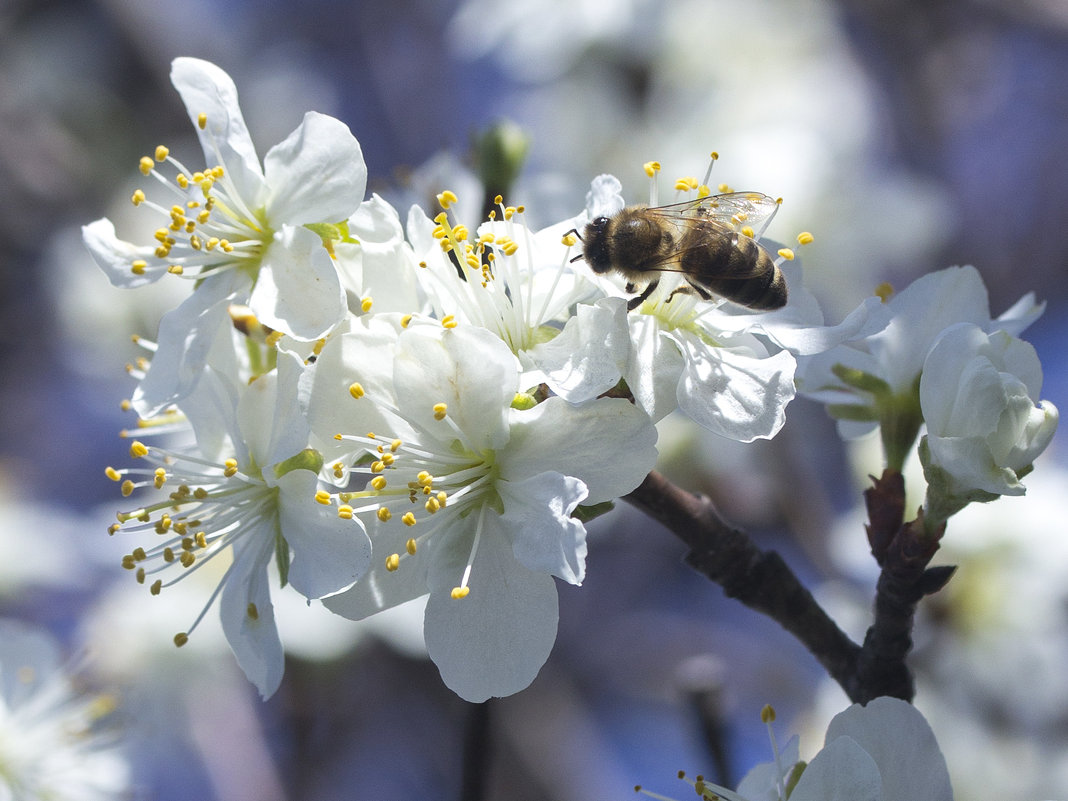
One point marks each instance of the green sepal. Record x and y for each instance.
(281, 557)
(854, 412)
(858, 379)
(307, 459)
(584, 514)
(941, 502)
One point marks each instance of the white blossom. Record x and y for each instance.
(237, 228)
(253, 506)
(52, 746)
(985, 424)
(472, 491)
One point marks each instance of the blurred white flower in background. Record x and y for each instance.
(52, 743)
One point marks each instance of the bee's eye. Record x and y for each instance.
(601, 222)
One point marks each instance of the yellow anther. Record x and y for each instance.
(175, 269)
(323, 497)
(146, 164)
(187, 543)
(138, 449)
(884, 291)
(520, 209)
(378, 483)
(113, 474)
(447, 198)
(424, 478)
(202, 120)
(509, 211)
(388, 459)
(168, 555)
(377, 467)
(140, 575)
(201, 539)
(139, 554)
(498, 200)
(723, 188)
(161, 152)
(356, 390)
(365, 305)
(460, 592)
(703, 190)
(252, 611)
(114, 527)
(685, 184)
(406, 320)
(440, 410)
(138, 197)
(448, 321)
(410, 547)
(508, 245)
(394, 446)
(392, 562)
(432, 505)
(805, 238)
(408, 519)
(786, 253)
(187, 558)
(159, 478)
(442, 497)
(344, 512)
(384, 514)
(128, 562)
(767, 714)
(460, 233)
(748, 231)
(651, 168)
(568, 240)
(182, 180)
(157, 585)
(127, 488)
(181, 638)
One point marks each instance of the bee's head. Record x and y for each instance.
(595, 245)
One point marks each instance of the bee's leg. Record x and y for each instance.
(700, 290)
(635, 302)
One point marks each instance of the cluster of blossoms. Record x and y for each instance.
(381, 412)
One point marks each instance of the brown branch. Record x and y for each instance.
(759, 579)
(764, 582)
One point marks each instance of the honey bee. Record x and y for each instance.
(702, 239)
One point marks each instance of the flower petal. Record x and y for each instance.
(115, 256)
(329, 552)
(896, 735)
(253, 638)
(317, 174)
(494, 641)
(298, 290)
(206, 89)
(588, 357)
(608, 443)
(537, 515)
(654, 368)
(733, 394)
(469, 369)
(842, 771)
(186, 336)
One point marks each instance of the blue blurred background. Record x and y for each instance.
(908, 136)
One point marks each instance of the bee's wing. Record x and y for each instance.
(735, 209)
